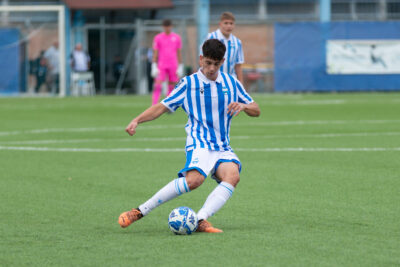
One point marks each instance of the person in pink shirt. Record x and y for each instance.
(167, 60)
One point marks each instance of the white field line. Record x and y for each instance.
(316, 122)
(289, 149)
(306, 102)
(320, 149)
(169, 139)
(86, 105)
(310, 102)
(92, 149)
(95, 140)
(89, 129)
(152, 127)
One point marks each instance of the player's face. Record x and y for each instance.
(226, 27)
(167, 29)
(210, 67)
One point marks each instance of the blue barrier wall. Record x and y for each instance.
(9, 61)
(300, 56)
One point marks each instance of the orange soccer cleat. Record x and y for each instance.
(128, 217)
(206, 227)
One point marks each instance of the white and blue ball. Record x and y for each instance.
(182, 221)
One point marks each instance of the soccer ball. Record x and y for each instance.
(182, 221)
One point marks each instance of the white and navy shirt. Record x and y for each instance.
(233, 53)
(80, 61)
(206, 104)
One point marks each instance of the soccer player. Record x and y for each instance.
(234, 52)
(211, 99)
(167, 60)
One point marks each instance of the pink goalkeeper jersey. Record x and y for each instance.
(167, 46)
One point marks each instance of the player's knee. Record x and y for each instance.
(235, 179)
(194, 180)
(232, 178)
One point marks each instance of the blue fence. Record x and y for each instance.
(9, 61)
(300, 56)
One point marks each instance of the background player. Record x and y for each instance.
(234, 57)
(210, 98)
(167, 60)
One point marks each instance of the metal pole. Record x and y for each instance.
(262, 9)
(4, 15)
(182, 26)
(65, 86)
(202, 19)
(62, 48)
(325, 10)
(102, 56)
(141, 90)
(79, 22)
(127, 63)
(382, 9)
(353, 10)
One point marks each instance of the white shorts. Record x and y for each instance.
(206, 161)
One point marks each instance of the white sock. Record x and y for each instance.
(215, 200)
(173, 189)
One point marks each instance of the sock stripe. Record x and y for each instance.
(178, 191)
(229, 190)
(185, 184)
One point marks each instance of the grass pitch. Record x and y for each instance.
(319, 186)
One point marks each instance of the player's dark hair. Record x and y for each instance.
(167, 22)
(214, 49)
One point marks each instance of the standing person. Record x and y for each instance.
(41, 71)
(52, 56)
(211, 99)
(118, 67)
(167, 60)
(234, 57)
(149, 61)
(80, 60)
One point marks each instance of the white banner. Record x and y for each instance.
(363, 57)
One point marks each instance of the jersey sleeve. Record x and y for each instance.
(179, 43)
(243, 96)
(240, 55)
(176, 97)
(156, 43)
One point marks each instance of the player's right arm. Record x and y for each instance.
(154, 66)
(155, 56)
(169, 104)
(149, 114)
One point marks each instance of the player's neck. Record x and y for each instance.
(211, 78)
(227, 36)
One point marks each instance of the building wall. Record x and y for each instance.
(301, 56)
(257, 40)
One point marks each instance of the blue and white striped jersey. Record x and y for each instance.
(206, 104)
(234, 51)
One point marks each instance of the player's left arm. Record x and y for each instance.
(179, 56)
(239, 72)
(252, 109)
(244, 103)
(180, 69)
(238, 62)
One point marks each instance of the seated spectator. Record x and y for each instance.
(80, 60)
